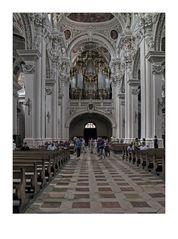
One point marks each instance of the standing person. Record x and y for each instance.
(101, 148)
(14, 145)
(106, 148)
(91, 145)
(155, 142)
(78, 147)
(83, 145)
(95, 146)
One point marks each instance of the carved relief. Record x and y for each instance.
(37, 18)
(37, 41)
(108, 111)
(28, 68)
(54, 47)
(72, 111)
(158, 69)
(147, 20)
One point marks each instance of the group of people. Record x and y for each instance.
(97, 146)
(137, 144)
(55, 145)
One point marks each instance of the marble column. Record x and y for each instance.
(43, 75)
(48, 110)
(121, 116)
(156, 59)
(65, 77)
(128, 121)
(115, 88)
(32, 76)
(65, 113)
(59, 115)
(55, 110)
(143, 88)
(149, 96)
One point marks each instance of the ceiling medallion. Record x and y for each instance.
(67, 34)
(114, 34)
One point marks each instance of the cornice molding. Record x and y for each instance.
(155, 56)
(29, 55)
(133, 83)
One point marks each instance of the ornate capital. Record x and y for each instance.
(37, 18)
(134, 91)
(128, 49)
(157, 69)
(147, 20)
(115, 80)
(49, 91)
(55, 48)
(28, 68)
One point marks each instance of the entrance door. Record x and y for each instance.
(90, 132)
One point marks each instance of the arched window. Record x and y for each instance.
(90, 125)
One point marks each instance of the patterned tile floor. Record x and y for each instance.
(94, 185)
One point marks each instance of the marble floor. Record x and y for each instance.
(94, 185)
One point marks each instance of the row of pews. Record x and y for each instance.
(152, 160)
(32, 171)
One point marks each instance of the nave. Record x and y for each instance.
(94, 185)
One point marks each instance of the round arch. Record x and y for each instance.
(103, 126)
(111, 120)
(98, 38)
(158, 31)
(102, 115)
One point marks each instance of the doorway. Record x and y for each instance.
(90, 131)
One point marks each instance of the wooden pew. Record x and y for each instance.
(156, 161)
(119, 148)
(33, 169)
(151, 159)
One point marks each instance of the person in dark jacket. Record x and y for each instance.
(78, 144)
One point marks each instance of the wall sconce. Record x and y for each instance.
(28, 104)
(48, 116)
(135, 117)
(160, 105)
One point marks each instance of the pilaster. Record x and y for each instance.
(134, 108)
(156, 59)
(121, 118)
(31, 77)
(51, 109)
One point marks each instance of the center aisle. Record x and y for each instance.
(93, 185)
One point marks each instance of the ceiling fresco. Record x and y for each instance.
(90, 17)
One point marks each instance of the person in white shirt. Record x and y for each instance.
(51, 147)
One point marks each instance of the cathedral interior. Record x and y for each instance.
(90, 76)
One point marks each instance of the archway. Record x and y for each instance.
(96, 126)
